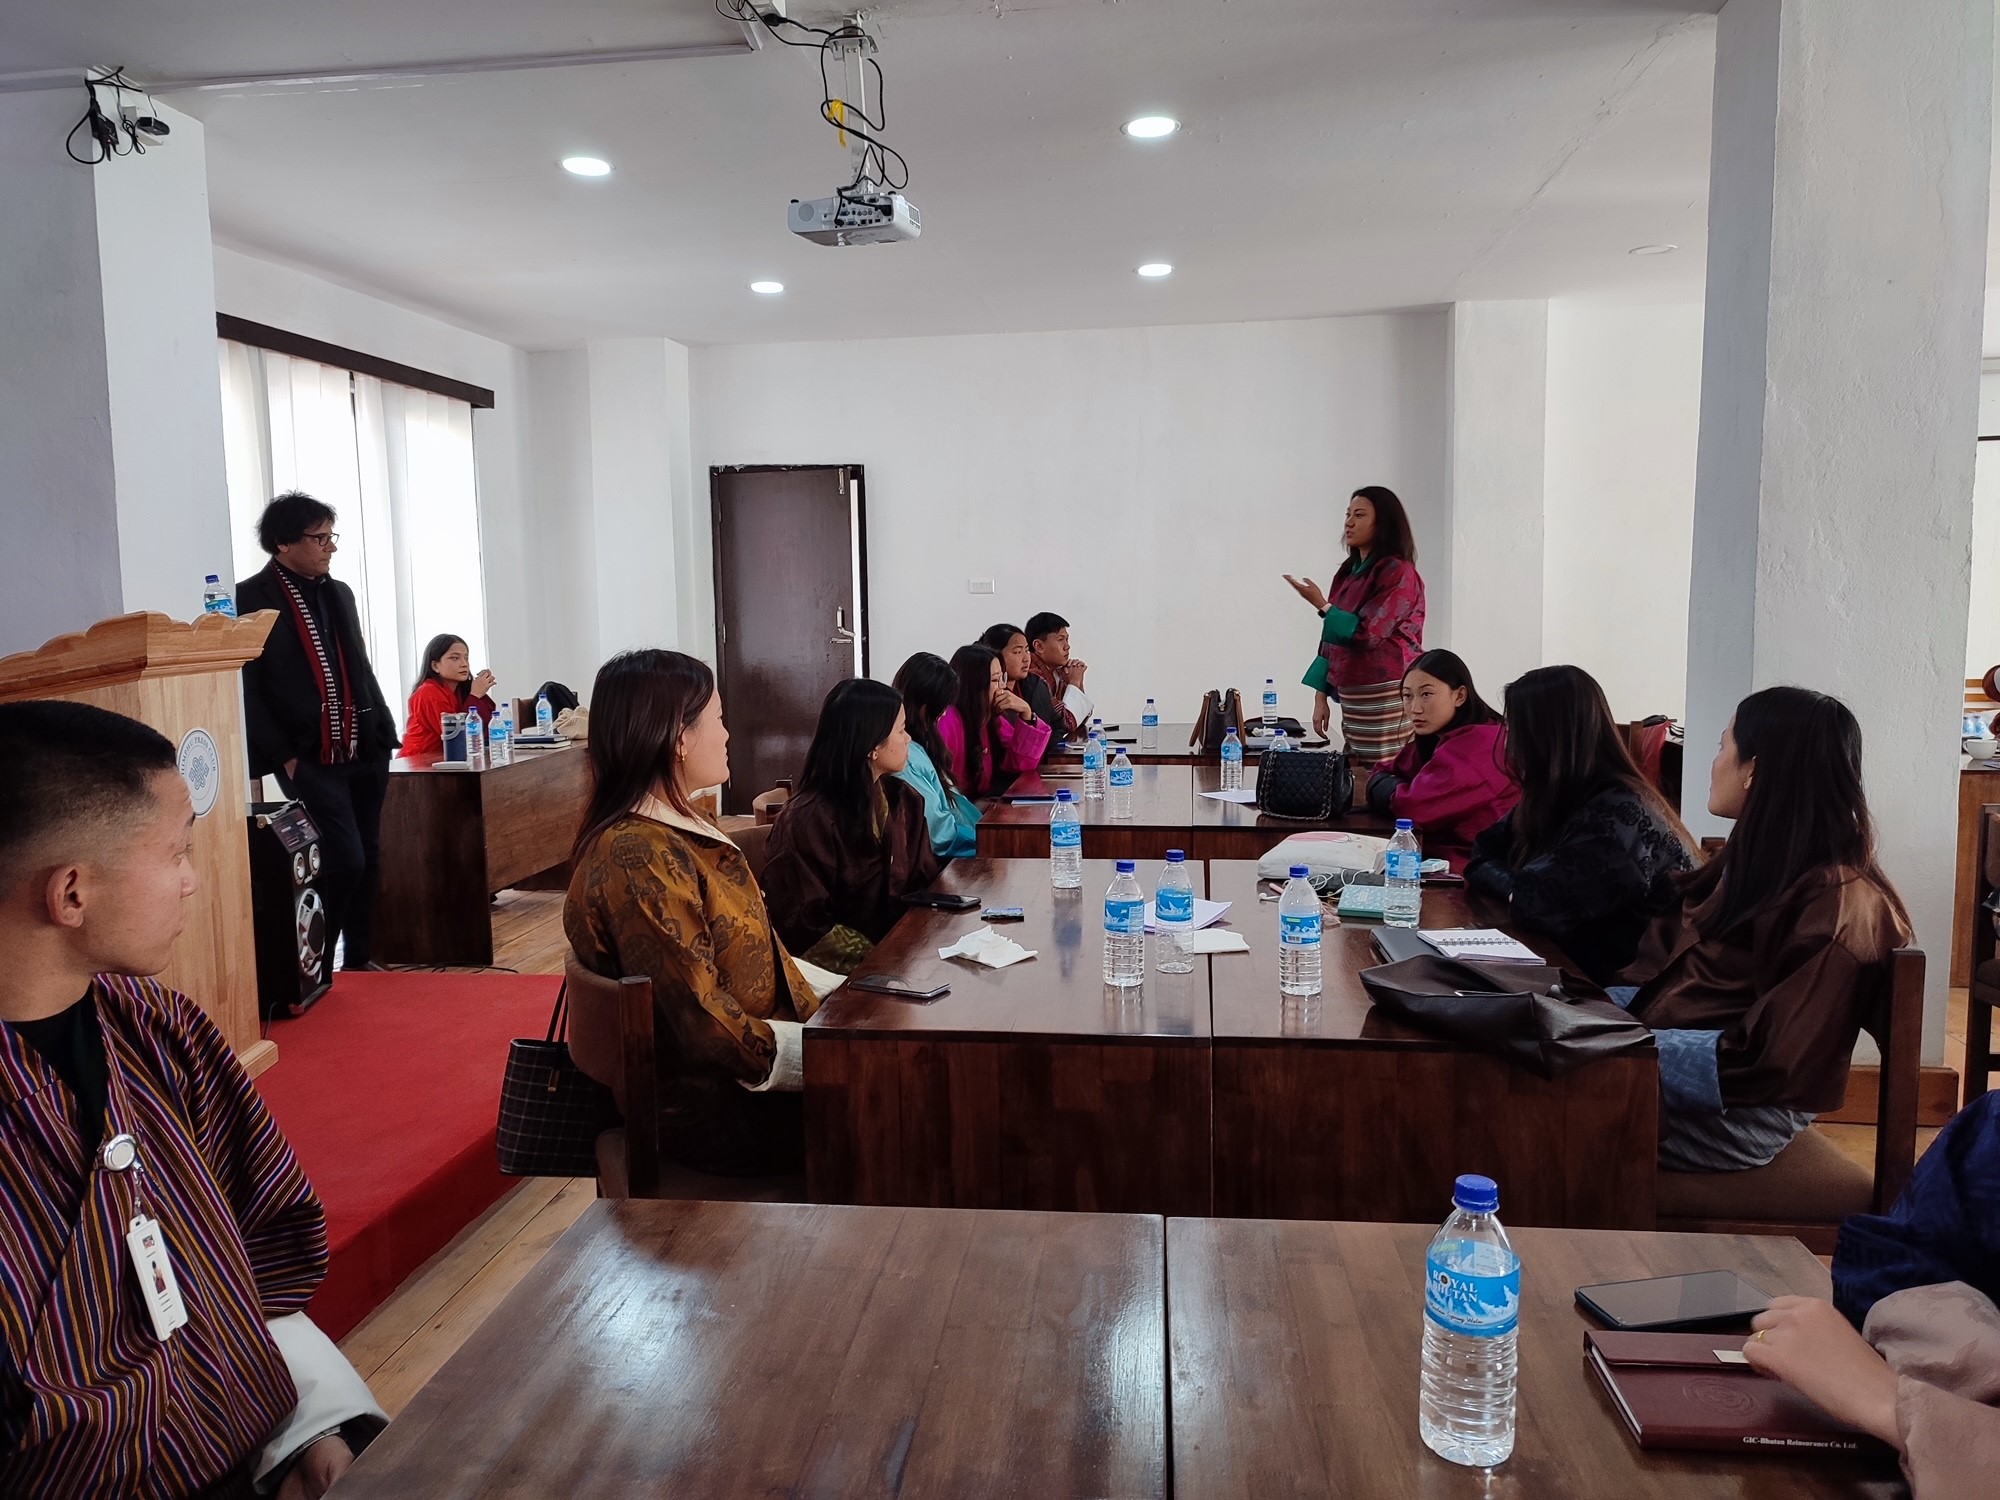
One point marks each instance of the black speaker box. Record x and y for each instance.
(288, 910)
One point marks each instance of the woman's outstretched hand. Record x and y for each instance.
(1308, 591)
(1322, 715)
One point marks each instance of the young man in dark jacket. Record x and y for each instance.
(315, 715)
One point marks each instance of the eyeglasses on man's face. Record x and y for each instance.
(321, 538)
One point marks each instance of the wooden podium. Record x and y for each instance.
(184, 681)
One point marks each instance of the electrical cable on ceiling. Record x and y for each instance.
(839, 113)
(103, 131)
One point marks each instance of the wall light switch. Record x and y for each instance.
(979, 585)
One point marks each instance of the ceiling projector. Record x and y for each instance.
(856, 217)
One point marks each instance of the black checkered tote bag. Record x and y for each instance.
(551, 1111)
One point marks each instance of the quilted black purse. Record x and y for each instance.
(551, 1111)
(1314, 785)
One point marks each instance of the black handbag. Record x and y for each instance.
(551, 1111)
(1522, 1012)
(1309, 784)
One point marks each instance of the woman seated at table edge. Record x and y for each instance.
(1923, 1374)
(928, 686)
(990, 734)
(1017, 666)
(853, 840)
(1758, 982)
(660, 891)
(1451, 781)
(446, 684)
(1590, 852)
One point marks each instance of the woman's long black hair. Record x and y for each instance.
(1393, 537)
(1450, 669)
(1564, 748)
(929, 686)
(1805, 810)
(974, 668)
(857, 716)
(427, 667)
(641, 705)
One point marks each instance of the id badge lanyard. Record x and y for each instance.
(145, 1241)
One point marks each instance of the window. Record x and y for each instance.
(395, 463)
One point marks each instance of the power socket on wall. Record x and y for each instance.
(979, 585)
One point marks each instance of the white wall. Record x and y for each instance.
(518, 598)
(1149, 484)
(1624, 412)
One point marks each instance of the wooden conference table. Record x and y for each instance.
(1168, 812)
(452, 837)
(1040, 1087)
(1173, 750)
(721, 1349)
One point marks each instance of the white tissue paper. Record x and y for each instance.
(985, 945)
(1217, 940)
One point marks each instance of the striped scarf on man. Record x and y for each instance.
(339, 725)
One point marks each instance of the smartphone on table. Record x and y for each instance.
(1661, 1304)
(888, 984)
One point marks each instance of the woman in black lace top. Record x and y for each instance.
(1590, 854)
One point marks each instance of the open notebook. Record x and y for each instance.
(1486, 945)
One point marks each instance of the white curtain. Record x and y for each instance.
(396, 465)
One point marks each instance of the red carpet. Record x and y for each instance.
(388, 1090)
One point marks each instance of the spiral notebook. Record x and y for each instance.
(1485, 945)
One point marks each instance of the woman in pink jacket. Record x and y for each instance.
(990, 733)
(1451, 781)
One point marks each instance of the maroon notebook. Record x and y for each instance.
(1687, 1390)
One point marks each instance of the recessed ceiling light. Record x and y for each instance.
(1156, 268)
(1151, 127)
(767, 288)
(1652, 250)
(587, 166)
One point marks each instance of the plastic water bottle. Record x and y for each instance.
(499, 742)
(1472, 1304)
(545, 718)
(1232, 761)
(1065, 843)
(1121, 779)
(1298, 936)
(1279, 741)
(1403, 875)
(1270, 702)
(1095, 780)
(216, 599)
(475, 740)
(1149, 726)
(1173, 916)
(1125, 928)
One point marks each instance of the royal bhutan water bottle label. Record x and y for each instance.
(1461, 1300)
(1175, 906)
(1121, 775)
(1125, 916)
(1068, 835)
(1404, 864)
(1093, 755)
(1299, 929)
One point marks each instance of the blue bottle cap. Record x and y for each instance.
(1065, 795)
(1403, 825)
(212, 578)
(1476, 1194)
(1300, 872)
(1176, 856)
(1127, 866)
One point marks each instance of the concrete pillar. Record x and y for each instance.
(1840, 381)
(1498, 395)
(633, 457)
(111, 466)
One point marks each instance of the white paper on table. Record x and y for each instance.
(1222, 940)
(1206, 914)
(983, 945)
(1249, 796)
(1077, 701)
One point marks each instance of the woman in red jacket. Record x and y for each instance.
(445, 685)
(1451, 781)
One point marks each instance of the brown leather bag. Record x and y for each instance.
(1219, 710)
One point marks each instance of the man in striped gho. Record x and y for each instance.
(157, 1238)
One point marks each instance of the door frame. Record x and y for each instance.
(857, 491)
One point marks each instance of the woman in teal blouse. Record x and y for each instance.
(929, 687)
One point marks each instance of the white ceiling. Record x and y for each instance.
(1337, 156)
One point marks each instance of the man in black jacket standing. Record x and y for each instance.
(315, 714)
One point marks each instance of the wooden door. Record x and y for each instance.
(791, 602)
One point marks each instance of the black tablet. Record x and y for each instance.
(1706, 1299)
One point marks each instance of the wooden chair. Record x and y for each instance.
(1812, 1185)
(766, 805)
(1984, 994)
(611, 1038)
